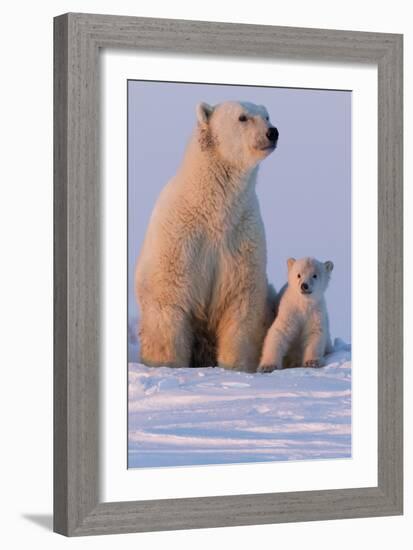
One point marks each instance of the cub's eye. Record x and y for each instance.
(242, 118)
(314, 276)
(298, 275)
(267, 118)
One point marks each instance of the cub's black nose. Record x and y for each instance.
(272, 133)
(304, 286)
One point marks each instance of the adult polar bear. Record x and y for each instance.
(201, 279)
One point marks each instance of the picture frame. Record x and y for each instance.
(78, 38)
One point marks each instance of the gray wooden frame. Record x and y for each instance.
(78, 39)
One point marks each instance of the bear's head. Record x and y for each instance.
(308, 276)
(240, 132)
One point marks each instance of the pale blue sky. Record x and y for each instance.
(304, 187)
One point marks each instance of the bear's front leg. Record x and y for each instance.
(240, 334)
(237, 347)
(165, 337)
(275, 347)
(314, 350)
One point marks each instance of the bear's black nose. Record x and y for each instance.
(272, 133)
(304, 286)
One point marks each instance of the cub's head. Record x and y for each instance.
(240, 132)
(308, 276)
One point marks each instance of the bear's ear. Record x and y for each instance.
(329, 266)
(203, 112)
(290, 262)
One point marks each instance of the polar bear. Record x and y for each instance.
(300, 334)
(201, 279)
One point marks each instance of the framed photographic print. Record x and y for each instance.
(228, 274)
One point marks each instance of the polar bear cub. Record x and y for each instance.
(300, 334)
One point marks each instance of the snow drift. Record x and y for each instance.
(180, 417)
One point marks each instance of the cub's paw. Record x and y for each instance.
(313, 364)
(267, 368)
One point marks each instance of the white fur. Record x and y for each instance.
(300, 334)
(201, 276)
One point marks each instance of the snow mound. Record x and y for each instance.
(181, 417)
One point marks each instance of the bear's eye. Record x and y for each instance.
(315, 276)
(242, 118)
(298, 275)
(267, 118)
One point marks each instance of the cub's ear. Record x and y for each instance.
(203, 112)
(329, 266)
(290, 262)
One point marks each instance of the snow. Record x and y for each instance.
(182, 417)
